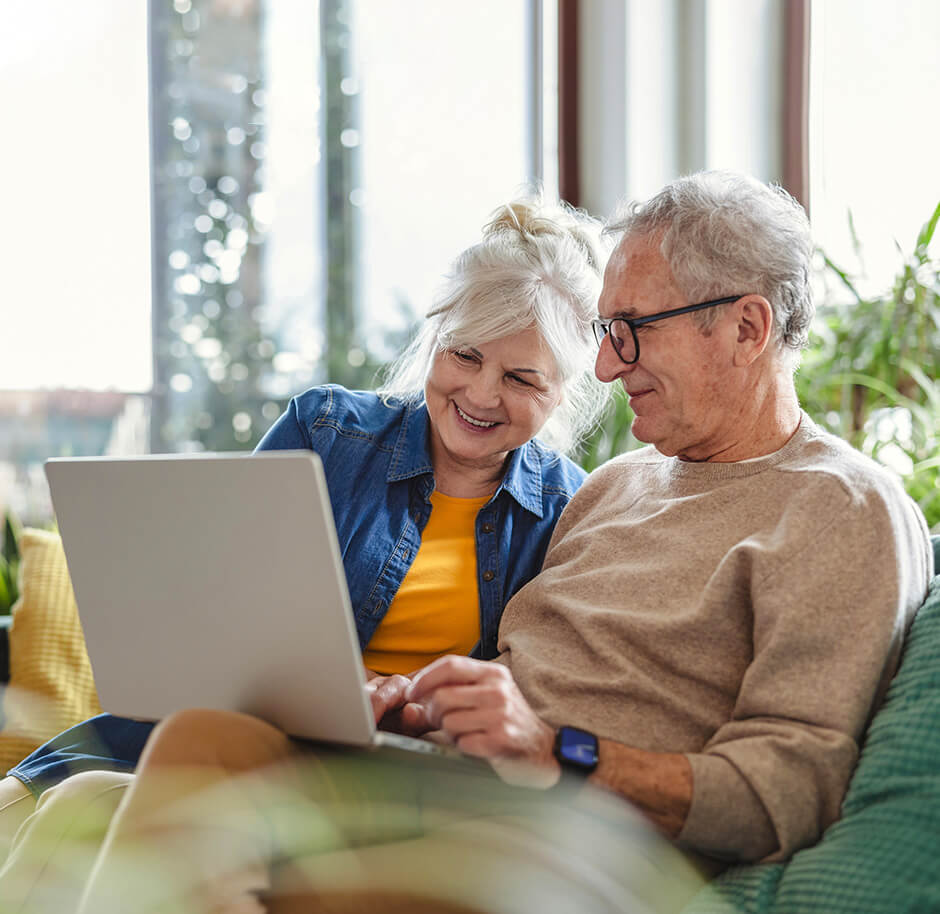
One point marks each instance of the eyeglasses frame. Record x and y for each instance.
(601, 327)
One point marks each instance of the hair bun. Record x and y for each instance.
(520, 215)
(532, 216)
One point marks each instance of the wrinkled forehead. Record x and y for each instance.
(637, 272)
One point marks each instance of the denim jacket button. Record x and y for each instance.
(488, 576)
(487, 528)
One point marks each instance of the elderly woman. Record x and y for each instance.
(444, 503)
(443, 498)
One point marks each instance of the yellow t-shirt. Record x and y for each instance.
(437, 608)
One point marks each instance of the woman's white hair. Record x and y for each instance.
(539, 264)
(725, 233)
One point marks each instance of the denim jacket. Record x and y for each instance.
(378, 471)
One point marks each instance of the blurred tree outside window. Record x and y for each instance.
(407, 151)
(212, 352)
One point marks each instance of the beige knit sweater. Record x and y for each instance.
(746, 614)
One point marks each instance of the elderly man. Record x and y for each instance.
(721, 610)
(718, 614)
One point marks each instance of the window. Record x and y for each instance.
(307, 173)
(874, 131)
(75, 352)
(668, 88)
(76, 198)
(318, 177)
(444, 139)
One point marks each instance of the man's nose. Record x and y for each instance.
(608, 366)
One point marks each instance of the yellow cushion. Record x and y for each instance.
(51, 686)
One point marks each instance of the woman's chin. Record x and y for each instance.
(476, 449)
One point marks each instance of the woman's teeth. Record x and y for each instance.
(473, 421)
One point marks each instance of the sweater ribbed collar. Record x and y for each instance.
(739, 469)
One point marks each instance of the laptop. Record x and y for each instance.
(216, 581)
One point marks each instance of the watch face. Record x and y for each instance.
(577, 747)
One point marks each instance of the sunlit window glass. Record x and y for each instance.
(444, 102)
(874, 131)
(75, 232)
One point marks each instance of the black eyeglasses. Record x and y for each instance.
(625, 343)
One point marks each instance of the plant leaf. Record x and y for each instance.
(11, 537)
(843, 276)
(926, 233)
(7, 594)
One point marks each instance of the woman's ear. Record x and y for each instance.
(755, 325)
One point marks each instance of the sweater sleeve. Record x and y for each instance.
(833, 590)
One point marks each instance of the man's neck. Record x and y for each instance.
(766, 418)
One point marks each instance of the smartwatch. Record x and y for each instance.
(576, 750)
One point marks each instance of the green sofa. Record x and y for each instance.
(883, 855)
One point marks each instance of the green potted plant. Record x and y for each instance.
(9, 564)
(870, 374)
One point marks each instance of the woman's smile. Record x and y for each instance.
(474, 423)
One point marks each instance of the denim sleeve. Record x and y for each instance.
(287, 433)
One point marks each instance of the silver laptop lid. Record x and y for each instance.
(213, 581)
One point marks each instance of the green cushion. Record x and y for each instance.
(884, 852)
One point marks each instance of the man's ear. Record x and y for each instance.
(755, 323)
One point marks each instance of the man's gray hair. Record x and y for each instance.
(539, 264)
(725, 233)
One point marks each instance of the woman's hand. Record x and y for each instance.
(479, 705)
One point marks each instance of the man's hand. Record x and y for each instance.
(391, 709)
(479, 706)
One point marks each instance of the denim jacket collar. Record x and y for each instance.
(411, 457)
